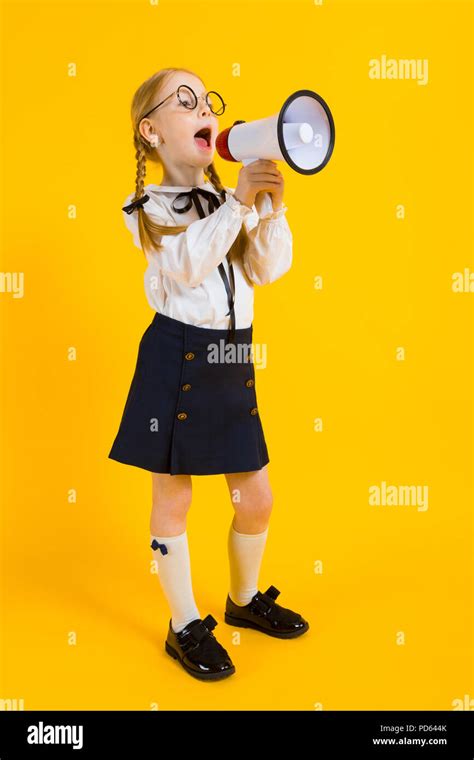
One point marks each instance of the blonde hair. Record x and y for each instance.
(149, 231)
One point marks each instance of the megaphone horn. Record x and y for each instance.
(302, 134)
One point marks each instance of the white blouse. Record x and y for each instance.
(183, 281)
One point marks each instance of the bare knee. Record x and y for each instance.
(171, 501)
(252, 499)
(257, 509)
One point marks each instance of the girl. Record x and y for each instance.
(192, 406)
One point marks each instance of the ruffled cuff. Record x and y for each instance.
(273, 214)
(238, 208)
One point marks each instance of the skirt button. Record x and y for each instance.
(249, 383)
(254, 410)
(182, 416)
(186, 387)
(189, 356)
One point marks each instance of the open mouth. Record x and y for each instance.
(203, 138)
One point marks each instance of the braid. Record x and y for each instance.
(149, 232)
(140, 156)
(214, 178)
(237, 250)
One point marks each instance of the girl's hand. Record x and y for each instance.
(258, 177)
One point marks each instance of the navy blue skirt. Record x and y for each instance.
(192, 405)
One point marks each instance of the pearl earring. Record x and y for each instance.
(155, 141)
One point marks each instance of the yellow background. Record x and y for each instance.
(84, 567)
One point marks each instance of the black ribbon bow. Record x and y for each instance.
(135, 204)
(192, 196)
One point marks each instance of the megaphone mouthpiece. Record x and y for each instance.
(222, 144)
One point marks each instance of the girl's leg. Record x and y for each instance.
(252, 499)
(171, 500)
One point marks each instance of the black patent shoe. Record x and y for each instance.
(198, 650)
(264, 614)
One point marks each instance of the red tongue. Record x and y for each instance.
(201, 141)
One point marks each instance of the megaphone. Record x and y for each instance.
(302, 134)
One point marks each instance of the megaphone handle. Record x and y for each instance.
(247, 161)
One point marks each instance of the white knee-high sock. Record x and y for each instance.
(174, 572)
(245, 557)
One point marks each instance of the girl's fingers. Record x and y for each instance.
(263, 176)
(265, 186)
(265, 167)
(263, 183)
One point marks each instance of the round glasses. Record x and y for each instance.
(187, 98)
